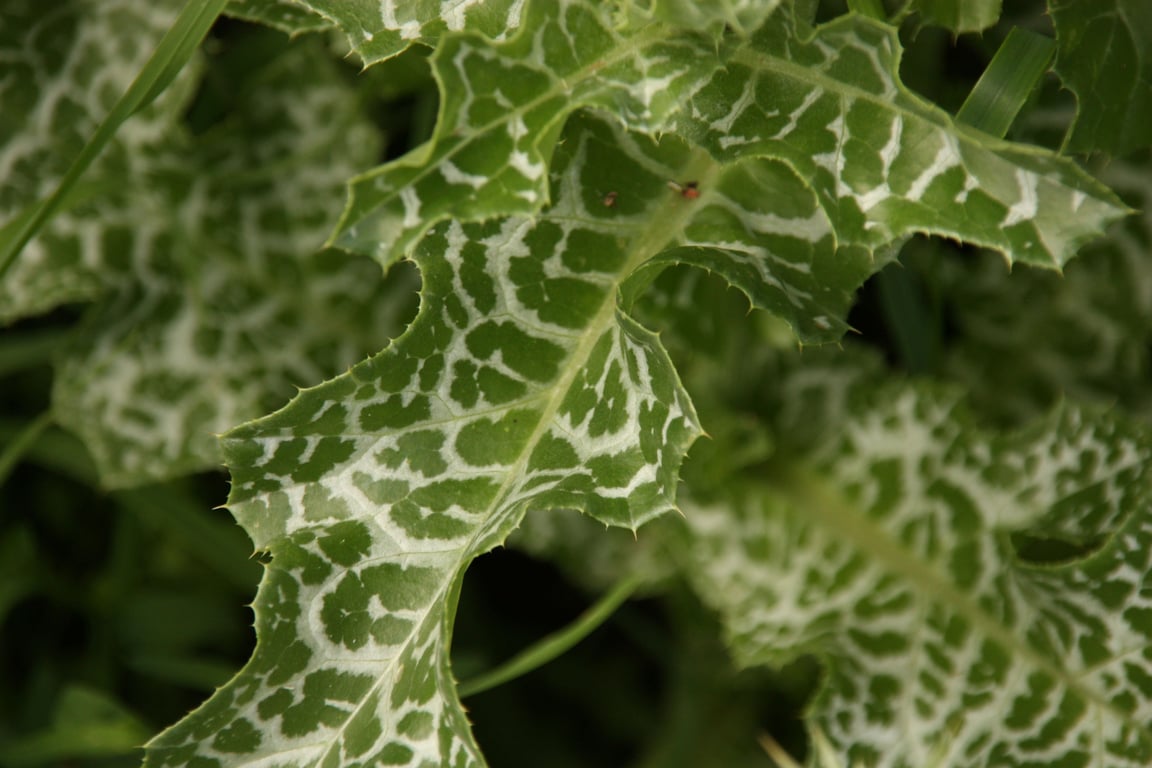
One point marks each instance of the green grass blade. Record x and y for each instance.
(915, 328)
(555, 644)
(1004, 87)
(170, 56)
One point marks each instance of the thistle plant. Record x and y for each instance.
(635, 232)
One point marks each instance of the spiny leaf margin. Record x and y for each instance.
(520, 384)
(503, 105)
(377, 30)
(888, 555)
(211, 323)
(883, 162)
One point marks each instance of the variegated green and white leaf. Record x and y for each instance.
(742, 17)
(890, 555)
(755, 395)
(519, 385)
(380, 29)
(65, 65)
(882, 161)
(756, 223)
(503, 107)
(760, 227)
(285, 15)
(1086, 336)
(221, 307)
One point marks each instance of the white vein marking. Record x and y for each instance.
(1024, 208)
(947, 156)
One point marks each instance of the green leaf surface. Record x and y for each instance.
(597, 170)
(380, 29)
(759, 226)
(221, 306)
(520, 384)
(285, 15)
(170, 58)
(882, 161)
(502, 108)
(1104, 56)
(65, 68)
(753, 221)
(958, 15)
(742, 17)
(888, 554)
(1086, 337)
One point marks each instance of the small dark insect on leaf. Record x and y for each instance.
(689, 190)
(610, 200)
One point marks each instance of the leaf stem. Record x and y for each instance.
(12, 453)
(780, 757)
(166, 62)
(554, 645)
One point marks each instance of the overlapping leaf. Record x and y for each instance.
(1085, 336)
(883, 162)
(214, 305)
(759, 226)
(285, 15)
(380, 29)
(523, 386)
(519, 384)
(959, 15)
(503, 106)
(64, 67)
(1103, 57)
(742, 17)
(888, 555)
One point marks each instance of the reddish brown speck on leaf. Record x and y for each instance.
(610, 200)
(689, 190)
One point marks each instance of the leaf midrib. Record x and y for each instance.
(817, 79)
(649, 241)
(832, 511)
(562, 85)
